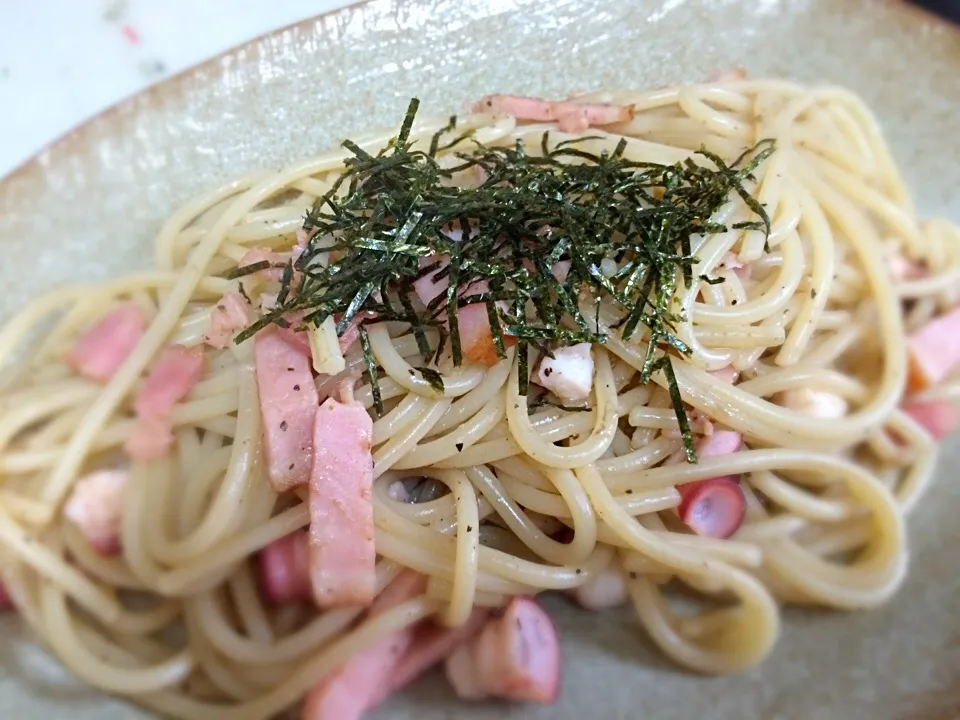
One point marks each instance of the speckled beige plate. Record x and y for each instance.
(88, 206)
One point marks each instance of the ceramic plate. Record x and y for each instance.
(88, 206)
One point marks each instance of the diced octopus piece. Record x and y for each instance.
(95, 506)
(606, 590)
(515, 657)
(569, 373)
(714, 507)
(814, 403)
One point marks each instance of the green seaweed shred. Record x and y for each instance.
(388, 217)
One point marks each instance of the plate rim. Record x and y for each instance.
(169, 84)
(918, 15)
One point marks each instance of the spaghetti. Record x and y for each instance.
(474, 487)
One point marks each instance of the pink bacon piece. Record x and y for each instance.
(569, 116)
(288, 406)
(903, 269)
(352, 333)
(259, 255)
(428, 287)
(151, 439)
(103, 348)
(348, 692)
(476, 337)
(727, 374)
(95, 506)
(284, 569)
(515, 657)
(169, 381)
(342, 551)
(5, 602)
(231, 314)
(937, 417)
(933, 351)
(431, 644)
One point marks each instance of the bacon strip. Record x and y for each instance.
(231, 314)
(570, 116)
(288, 406)
(342, 551)
(103, 348)
(285, 569)
(169, 381)
(933, 351)
(937, 417)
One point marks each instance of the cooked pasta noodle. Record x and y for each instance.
(523, 500)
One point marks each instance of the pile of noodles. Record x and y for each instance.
(176, 622)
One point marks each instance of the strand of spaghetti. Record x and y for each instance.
(184, 579)
(332, 657)
(575, 506)
(125, 680)
(778, 291)
(514, 569)
(200, 484)
(517, 521)
(54, 568)
(821, 250)
(408, 410)
(918, 478)
(435, 451)
(146, 622)
(192, 210)
(398, 446)
(64, 472)
(467, 559)
(217, 669)
(23, 509)
(742, 642)
(455, 383)
(224, 512)
(467, 405)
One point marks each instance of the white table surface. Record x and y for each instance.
(62, 61)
